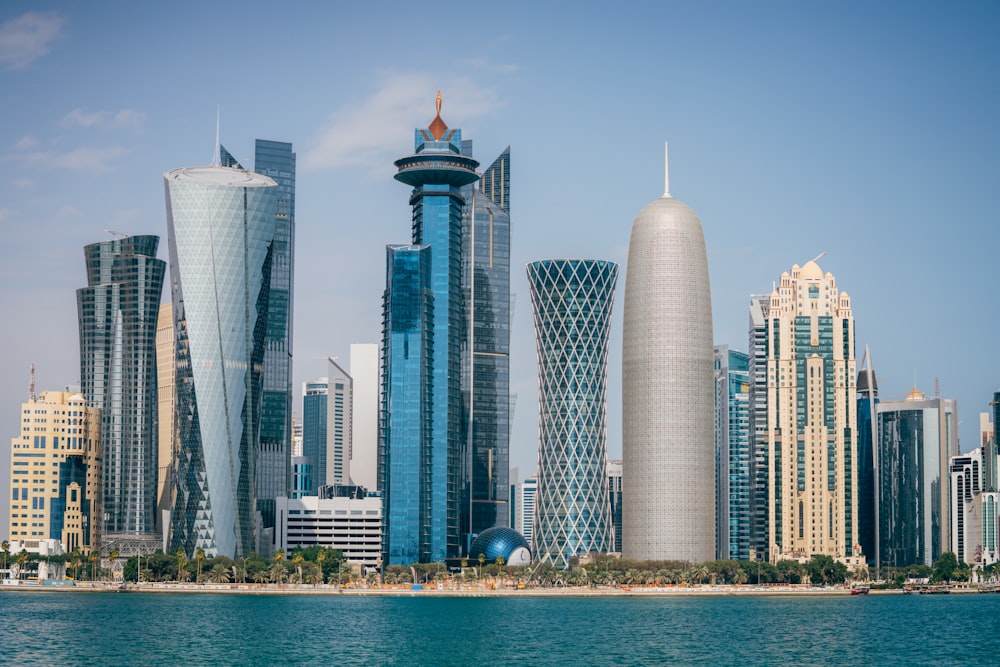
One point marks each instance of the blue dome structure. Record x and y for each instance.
(504, 542)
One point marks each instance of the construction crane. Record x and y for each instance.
(121, 234)
(31, 385)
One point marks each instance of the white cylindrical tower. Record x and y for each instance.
(668, 467)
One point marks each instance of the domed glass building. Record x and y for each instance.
(505, 542)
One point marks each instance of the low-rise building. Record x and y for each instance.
(351, 525)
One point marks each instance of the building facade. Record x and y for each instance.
(759, 473)
(55, 472)
(167, 433)
(812, 417)
(733, 453)
(486, 345)
(118, 311)
(220, 225)
(615, 500)
(364, 414)
(528, 494)
(571, 301)
(966, 506)
(668, 448)
(351, 525)
(315, 400)
(423, 320)
(916, 439)
(338, 426)
(868, 442)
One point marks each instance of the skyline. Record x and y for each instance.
(771, 113)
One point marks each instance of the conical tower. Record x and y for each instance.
(668, 467)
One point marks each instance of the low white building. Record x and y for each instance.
(352, 526)
(45, 570)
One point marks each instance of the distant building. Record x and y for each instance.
(916, 438)
(55, 473)
(733, 453)
(868, 438)
(118, 312)
(966, 504)
(220, 304)
(364, 414)
(339, 427)
(571, 300)
(315, 400)
(353, 526)
(165, 393)
(529, 491)
(615, 498)
(303, 477)
(760, 510)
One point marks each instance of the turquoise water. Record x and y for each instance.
(59, 628)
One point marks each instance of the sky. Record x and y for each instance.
(867, 131)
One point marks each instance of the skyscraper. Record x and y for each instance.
(916, 438)
(275, 159)
(423, 316)
(338, 426)
(364, 415)
(571, 301)
(868, 439)
(165, 413)
(812, 417)
(759, 473)
(615, 497)
(732, 437)
(486, 344)
(118, 311)
(55, 472)
(966, 505)
(220, 225)
(315, 397)
(668, 448)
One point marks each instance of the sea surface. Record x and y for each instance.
(73, 628)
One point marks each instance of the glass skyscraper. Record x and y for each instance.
(486, 345)
(118, 313)
(276, 160)
(422, 399)
(732, 447)
(571, 301)
(220, 224)
(867, 393)
(314, 433)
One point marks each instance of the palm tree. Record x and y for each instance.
(22, 559)
(93, 558)
(199, 556)
(740, 577)
(113, 557)
(6, 552)
(76, 560)
(219, 574)
(482, 559)
(277, 572)
(701, 573)
(182, 573)
(297, 559)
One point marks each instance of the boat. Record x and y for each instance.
(859, 590)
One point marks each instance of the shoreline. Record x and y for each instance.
(456, 591)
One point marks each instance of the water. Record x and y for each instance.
(68, 628)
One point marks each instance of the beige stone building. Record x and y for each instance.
(811, 418)
(165, 411)
(55, 472)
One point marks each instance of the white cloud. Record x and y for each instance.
(27, 38)
(23, 183)
(86, 159)
(372, 132)
(124, 119)
(26, 143)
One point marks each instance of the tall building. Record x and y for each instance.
(276, 160)
(668, 448)
(571, 301)
(529, 492)
(167, 439)
(615, 499)
(759, 473)
(220, 225)
(315, 399)
(732, 446)
(486, 345)
(966, 506)
(338, 426)
(118, 311)
(916, 438)
(812, 417)
(55, 472)
(364, 415)
(423, 318)
(868, 439)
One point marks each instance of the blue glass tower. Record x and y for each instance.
(422, 332)
(486, 346)
(314, 433)
(571, 300)
(118, 313)
(732, 447)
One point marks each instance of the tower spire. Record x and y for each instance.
(666, 171)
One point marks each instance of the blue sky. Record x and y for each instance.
(865, 130)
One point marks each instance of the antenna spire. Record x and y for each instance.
(666, 170)
(217, 157)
